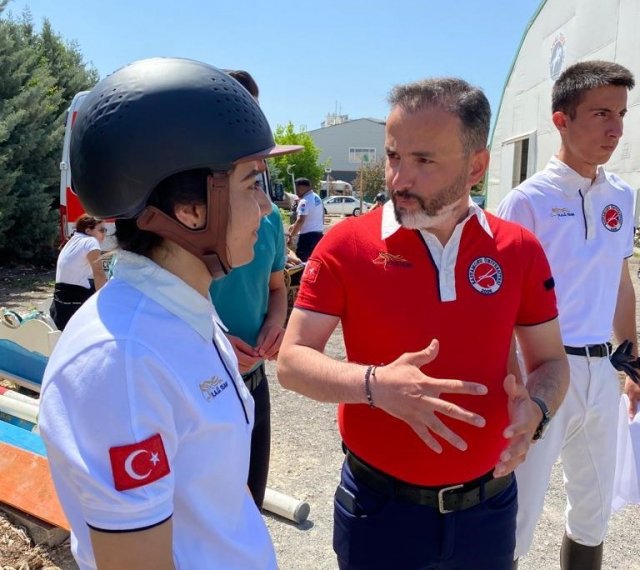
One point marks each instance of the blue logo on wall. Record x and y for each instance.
(556, 62)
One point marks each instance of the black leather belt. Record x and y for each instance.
(446, 499)
(253, 379)
(595, 350)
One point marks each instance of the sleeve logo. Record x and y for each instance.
(311, 271)
(612, 217)
(138, 464)
(485, 275)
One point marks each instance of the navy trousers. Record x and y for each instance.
(307, 243)
(260, 439)
(374, 531)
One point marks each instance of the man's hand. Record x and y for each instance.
(403, 391)
(524, 415)
(246, 355)
(269, 341)
(632, 390)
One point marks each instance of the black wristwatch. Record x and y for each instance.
(544, 422)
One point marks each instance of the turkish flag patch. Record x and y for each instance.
(138, 464)
(311, 271)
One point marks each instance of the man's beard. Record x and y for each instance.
(434, 212)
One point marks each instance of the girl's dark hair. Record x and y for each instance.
(86, 222)
(244, 78)
(189, 187)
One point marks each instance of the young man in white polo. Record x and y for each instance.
(583, 216)
(309, 223)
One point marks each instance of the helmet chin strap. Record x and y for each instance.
(209, 244)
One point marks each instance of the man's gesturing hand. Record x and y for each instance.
(403, 391)
(524, 417)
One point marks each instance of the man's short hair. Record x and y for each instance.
(453, 95)
(303, 182)
(245, 79)
(568, 91)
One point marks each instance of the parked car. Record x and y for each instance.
(345, 205)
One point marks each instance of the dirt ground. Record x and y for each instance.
(305, 464)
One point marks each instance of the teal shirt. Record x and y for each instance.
(241, 297)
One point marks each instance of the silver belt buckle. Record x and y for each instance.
(441, 493)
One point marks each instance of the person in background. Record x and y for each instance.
(432, 423)
(252, 303)
(583, 216)
(309, 224)
(146, 420)
(381, 198)
(79, 270)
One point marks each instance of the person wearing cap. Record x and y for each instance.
(252, 302)
(309, 223)
(432, 423)
(583, 216)
(381, 198)
(145, 417)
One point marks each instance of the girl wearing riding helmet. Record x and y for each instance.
(145, 417)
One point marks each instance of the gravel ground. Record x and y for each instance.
(306, 459)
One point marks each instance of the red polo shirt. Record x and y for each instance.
(387, 293)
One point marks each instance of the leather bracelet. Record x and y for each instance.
(371, 371)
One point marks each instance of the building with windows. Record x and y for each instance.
(561, 33)
(347, 144)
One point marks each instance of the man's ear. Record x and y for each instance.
(193, 216)
(560, 120)
(478, 166)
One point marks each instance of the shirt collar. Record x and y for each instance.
(568, 180)
(390, 224)
(168, 290)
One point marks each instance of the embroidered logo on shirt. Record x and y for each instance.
(385, 259)
(138, 464)
(485, 275)
(561, 212)
(211, 388)
(612, 217)
(311, 271)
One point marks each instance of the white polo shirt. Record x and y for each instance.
(73, 266)
(586, 229)
(145, 417)
(310, 206)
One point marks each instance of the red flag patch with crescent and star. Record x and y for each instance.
(139, 464)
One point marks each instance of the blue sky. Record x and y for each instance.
(309, 58)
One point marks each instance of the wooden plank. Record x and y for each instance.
(19, 437)
(26, 485)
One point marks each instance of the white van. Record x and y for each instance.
(336, 188)
(70, 207)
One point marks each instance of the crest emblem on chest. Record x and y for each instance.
(211, 388)
(485, 275)
(612, 217)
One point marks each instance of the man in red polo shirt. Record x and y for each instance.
(432, 423)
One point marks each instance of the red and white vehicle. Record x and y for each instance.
(70, 207)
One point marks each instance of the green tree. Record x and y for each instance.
(371, 179)
(39, 74)
(303, 164)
